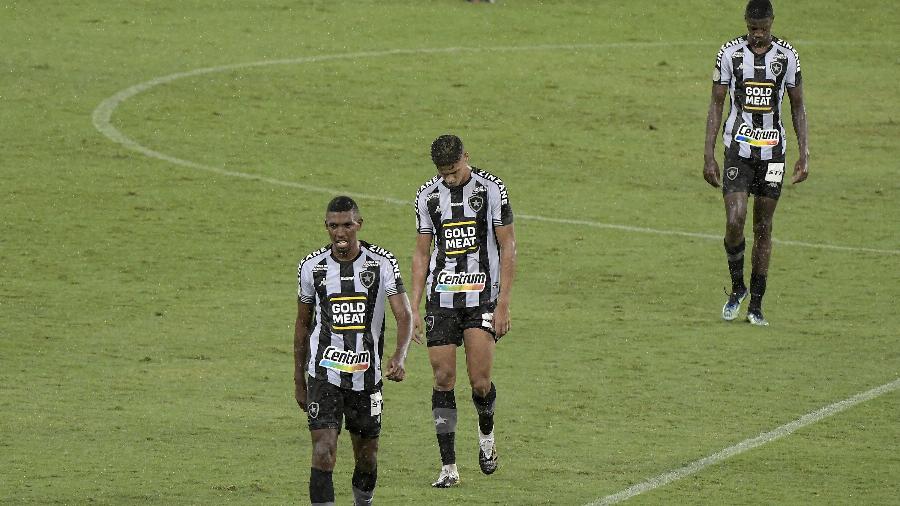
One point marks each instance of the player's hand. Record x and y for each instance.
(396, 370)
(711, 172)
(300, 394)
(418, 328)
(801, 171)
(501, 320)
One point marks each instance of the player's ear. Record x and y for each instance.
(359, 222)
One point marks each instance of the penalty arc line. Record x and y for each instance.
(746, 445)
(102, 120)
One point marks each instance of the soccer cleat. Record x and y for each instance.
(487, 454)
(731, 308)
(449, 477)
(756, 318)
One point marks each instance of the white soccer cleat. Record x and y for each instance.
(756, 318)
(487, 453)
(731, 308)
(449, 477)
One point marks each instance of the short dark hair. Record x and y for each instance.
(446, 150)
(342, 204)
(759, 9)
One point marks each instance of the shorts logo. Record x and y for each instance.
(487, 320)
(732, 173)
(776, 67)
(367, 278)
(759, 96)
(775, 173)
(344, 361)
(429, 323)
(376, 403)
(460, 282)
(348, 312)
(476, 202)
(460, 238)
(757, 137)
(313, 409)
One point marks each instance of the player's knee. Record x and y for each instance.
(481, 386)
(323, 455)
(762, 228)
(367, 461)
(444, 379)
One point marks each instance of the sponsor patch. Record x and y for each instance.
(376, 401)
(348, 312)
(459, 237)
(757, 137)
(758, 96)
(775, 172)
(345, 360)
(460, 282)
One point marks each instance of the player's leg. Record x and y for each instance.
(443, 410)
(324, 412)
(480, 346)
(363, 414)
(735, 217)
(763, 214)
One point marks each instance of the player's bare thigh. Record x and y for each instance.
(443, 365)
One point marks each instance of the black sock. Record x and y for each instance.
(443, 409)
(484, 406)
(757, 290)
(736, 265)
(364, 485)
(321, 488)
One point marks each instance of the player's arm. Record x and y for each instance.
(506, 236)
(798, 115)
(713, 121)
(421, 256)
(396, 370)
(301, 348)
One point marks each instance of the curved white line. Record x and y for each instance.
(102, 120)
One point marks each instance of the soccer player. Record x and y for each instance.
(755, 70)
(343, 290)
(467, 278)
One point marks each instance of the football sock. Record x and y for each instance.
(484, 406)
(364, 486)
(443, 409)
(736, 265)
(321, 488)
(757, 290)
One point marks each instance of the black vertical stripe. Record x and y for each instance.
(482, 222)
(368, 338)
(759, 74)
(324, 316)
(434, 210)
(776, 106)
(348, 286)
(458, 213)
(737, 102)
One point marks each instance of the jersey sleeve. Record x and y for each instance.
(501, 210)
(723, 72)
(424, 225)
(792, 76)
(306, 292)
(390, 277)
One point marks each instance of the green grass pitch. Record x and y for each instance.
(147, 293)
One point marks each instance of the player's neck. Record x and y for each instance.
(349, 255)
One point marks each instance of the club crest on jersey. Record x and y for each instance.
(460, 282)
(476, 202)
(345, 360)
(367, 278)
(757, 137)
(460, 238)
(731, 173)
(348, 312)
(776, 67)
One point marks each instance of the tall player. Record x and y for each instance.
(467, 277)
(755, 70)
(344, 288)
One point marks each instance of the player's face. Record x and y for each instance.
(759, 32)
(456, 174)
(342, 228)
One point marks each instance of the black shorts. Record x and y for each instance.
(762, 178)
(327, 404)
(446, 325)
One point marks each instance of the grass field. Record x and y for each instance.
(149, 239)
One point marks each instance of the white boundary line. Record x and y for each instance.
(102, 120)
(746, 445)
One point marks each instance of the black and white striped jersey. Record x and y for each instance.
(756, 84)
(464, 270)
(347, 339)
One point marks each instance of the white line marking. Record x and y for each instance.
(102, 119)
(747, 444)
